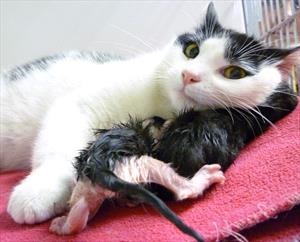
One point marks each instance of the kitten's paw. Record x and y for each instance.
(37, 199)
(205, 177)
(208, 175)
(57, 225)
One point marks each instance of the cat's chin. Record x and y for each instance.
(189, 101)
(194, 103)
(199, 103)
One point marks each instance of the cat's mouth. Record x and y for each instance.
(187, 97)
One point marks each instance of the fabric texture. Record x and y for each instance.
(283, 228)
(263, 182)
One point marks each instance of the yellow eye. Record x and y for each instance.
(234, 72)
(191, 50)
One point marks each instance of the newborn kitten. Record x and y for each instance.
(50, 107)
(120, 158)
(115, 164)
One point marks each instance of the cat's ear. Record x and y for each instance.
(211, 14)
(289, 58)
(210, 25)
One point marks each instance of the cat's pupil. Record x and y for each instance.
(234, 72)
(194, 52)
(191, 50)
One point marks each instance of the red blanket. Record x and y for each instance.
(263, 182)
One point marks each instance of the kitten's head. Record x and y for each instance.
(217, 67)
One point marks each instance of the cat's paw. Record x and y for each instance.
(37, 199)
(205, 177)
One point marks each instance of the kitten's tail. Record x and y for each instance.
(110, 181)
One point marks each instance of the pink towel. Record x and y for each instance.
(263, 182)
(283, 228)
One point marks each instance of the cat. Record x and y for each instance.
(123, 161)
(51, 106)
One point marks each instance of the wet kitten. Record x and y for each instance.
(50, 107)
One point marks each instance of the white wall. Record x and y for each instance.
(30, 29)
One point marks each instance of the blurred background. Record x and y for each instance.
(35, 28)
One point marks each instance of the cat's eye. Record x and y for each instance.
(234, 72)
(191, 50)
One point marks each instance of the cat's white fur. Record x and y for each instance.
(48, 116)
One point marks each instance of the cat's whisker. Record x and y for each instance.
(130, 49)
(227, 107)
(256, 120)
(167, 63)
(245, 117)
(160, 75)
(223, 104)
(237, 101)
(290, 94)
(262, 105)
(251, 52)
(275, 108)
(247, 53)
(254, 51)
(189, 16)
(145, 43)
(248, 107)
(243, 47)
(226, 96)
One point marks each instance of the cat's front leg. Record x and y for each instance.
(45, 191)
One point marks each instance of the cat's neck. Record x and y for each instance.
(143, 73)
(134, 88)
(148, 65)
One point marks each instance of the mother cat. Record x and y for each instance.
(50, 107)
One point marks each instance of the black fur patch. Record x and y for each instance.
(111, 146)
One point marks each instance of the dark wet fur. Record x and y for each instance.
(111, 146)
(98, 161)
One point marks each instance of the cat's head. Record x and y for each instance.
(218, 67)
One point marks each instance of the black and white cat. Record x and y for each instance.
(50, 107)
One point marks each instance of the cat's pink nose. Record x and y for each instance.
(190, 78)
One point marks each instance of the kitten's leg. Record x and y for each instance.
(147, 169)
(45, 192)
(85, 201)
(74, 222)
